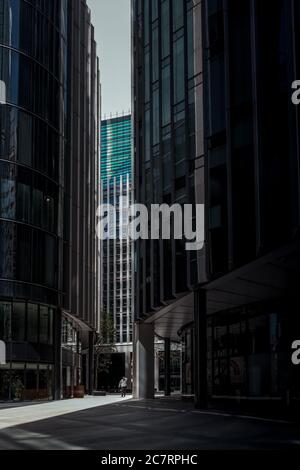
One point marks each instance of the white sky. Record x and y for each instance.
(111, 19)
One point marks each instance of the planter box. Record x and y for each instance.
(79, 391)
(99, 393)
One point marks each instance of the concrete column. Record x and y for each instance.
(167, 367)
(128, 370)
(90, 364)
(200, 314)
(57, 392)
(156, 370)
(143, 356)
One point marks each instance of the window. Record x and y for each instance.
(32, 323)
(154, 4)
(165, 28)
(177, 14)
(180, 143)
(18, 322)
(155, 55)
(23, 258)
(7, 191)
(147, 136)
(7, 250)
(147, 76)
(5, 319)
(155, 118)
(23, 202)
(44, 325)
(179, 82)
(166, 96)
(190, 43)
(216, 33)
(146, 22)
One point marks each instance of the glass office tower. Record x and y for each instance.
(117, 255)
(234, 120)
(167, 82)
(38, 181)
(251, 58)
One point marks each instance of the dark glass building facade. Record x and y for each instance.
(251, 58)
(241, 147)
(36, 184)
(166, 85)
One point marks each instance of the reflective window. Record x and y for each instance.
(30, 86)
(147, 76)
(7, 250)
(166, 96)
(147, 136)
(165, 28)
(5, 319)
(155, 55)
(146, 21)
(44, 325)
(24, 254)
(154, 4)
(179, 81)
(155, 118)
(190, 43)
(7, 191)
(32, 323)
(18, 322)
(178, 14)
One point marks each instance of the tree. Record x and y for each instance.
(104, 346)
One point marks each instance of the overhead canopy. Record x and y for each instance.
(268, 277)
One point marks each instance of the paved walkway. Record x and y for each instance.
(19, 415)
(112, 423)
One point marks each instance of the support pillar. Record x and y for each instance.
(143, 355)
(90, 364)
(57, 392)
(167, 367)
(200, 315)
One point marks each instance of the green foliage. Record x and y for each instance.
(104, 346)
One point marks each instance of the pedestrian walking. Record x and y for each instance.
(123, 386)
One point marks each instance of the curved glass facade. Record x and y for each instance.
(33, 72)
(33, 47)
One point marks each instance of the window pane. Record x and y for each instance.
(179, 87)
(18, 322)
(154, 9)
(155, 117)
(146, 22)
(147, 76)
(44, 325)
(5, 318)
(7, 250)
(147, 136)
(177, 14)
(23, 203)
(165, 28)
(7, 191)
(32, 323)
(155, 55)
(51, 319)
(190, 41)
(23, 259)
(166, 97)
(25, 138)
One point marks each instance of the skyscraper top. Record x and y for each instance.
(116, 155)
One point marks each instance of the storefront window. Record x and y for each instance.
(249, 355)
